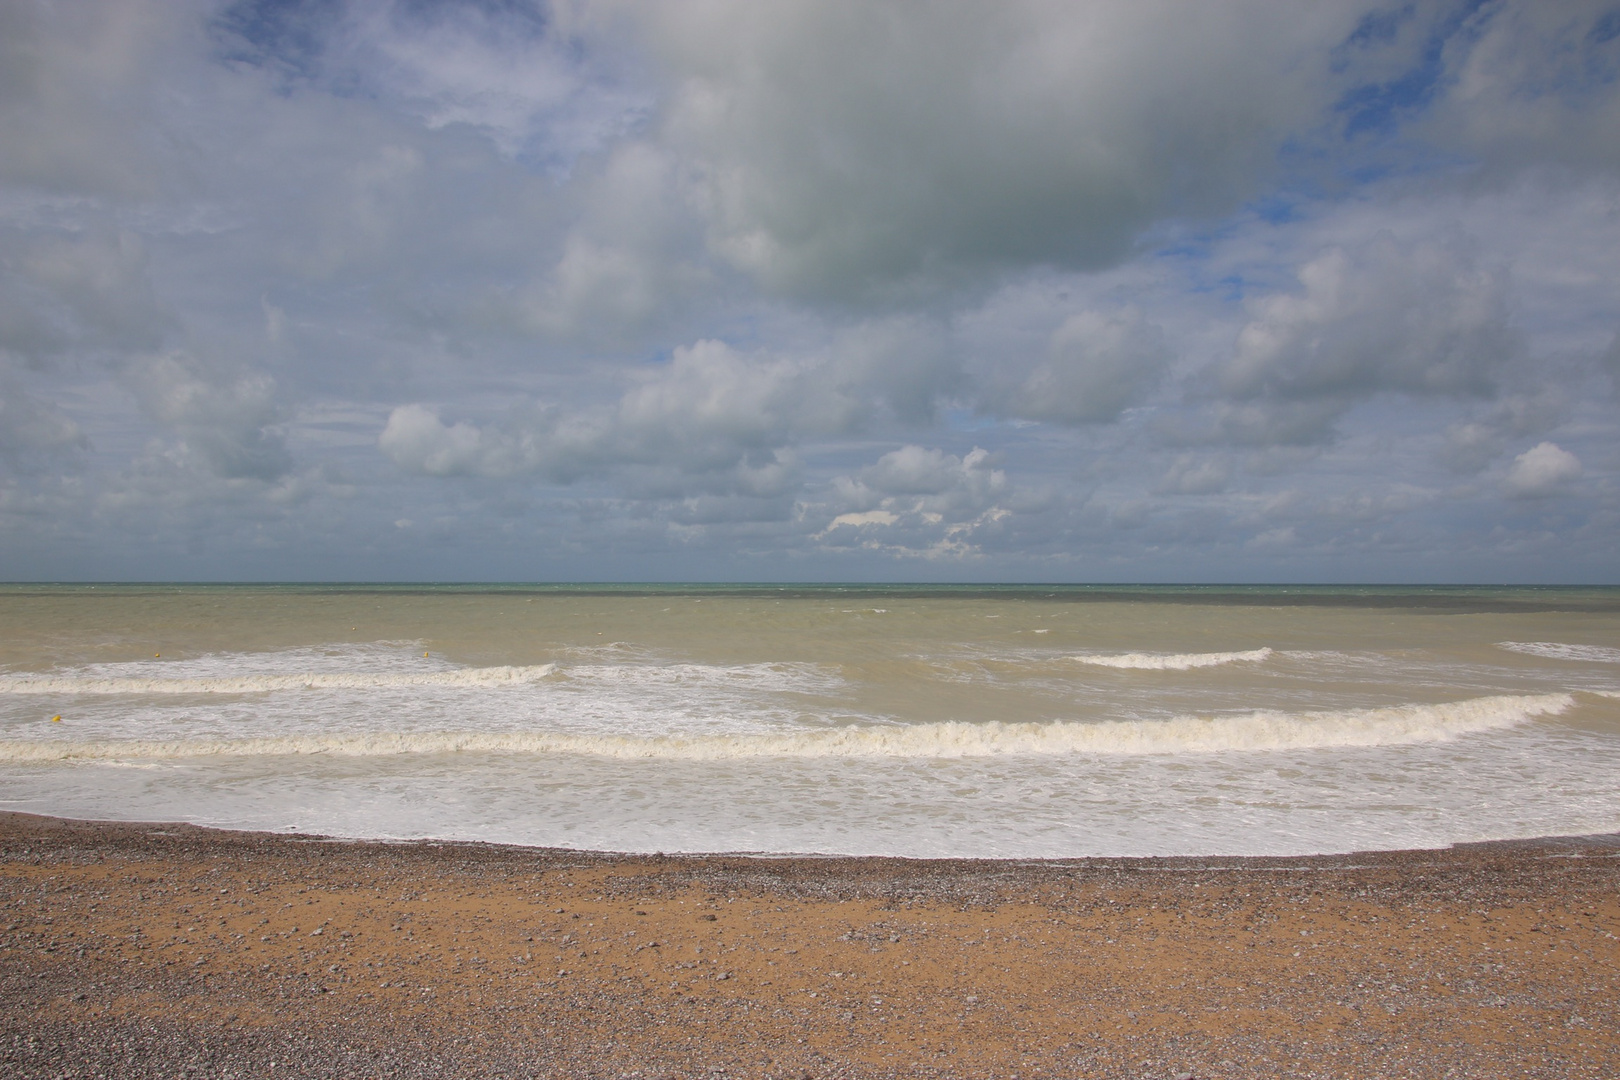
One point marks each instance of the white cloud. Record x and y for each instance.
(1543, 470)
(1420, 318)
(420, 442)
(1095, 366)
(916, 501)
(711, 418)
(711, 404)
(627, 262)
(1189, 475)
(951, 486)
(1471, 445)
(621, 279)
(864, 517)
(1415, 318)
(521, 74)
(913, 470)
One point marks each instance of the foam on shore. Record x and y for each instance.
(1558, 650)
(1173, 661)
(1254, 731)
(261, 684)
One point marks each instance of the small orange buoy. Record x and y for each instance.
(56, 719)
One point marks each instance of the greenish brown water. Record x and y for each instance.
(967, 720)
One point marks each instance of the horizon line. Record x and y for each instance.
(786, 584)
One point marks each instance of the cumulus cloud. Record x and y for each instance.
(31, 429)
(919, 500)
(905, 365)
(846, 150)
(226, 417)
(419, 441)
(1534, 84)
(67, 291)
(1189, 475)
(518, 73)
(711, 405)
(1415, 318)
(1420, 318)
(913, 470)
(1470, 445)
(713, 417)
(663, 276)
(1096, 365)
(1544, 470)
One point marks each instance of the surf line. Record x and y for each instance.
(1252, 731)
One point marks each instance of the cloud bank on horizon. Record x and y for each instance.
(498, 289)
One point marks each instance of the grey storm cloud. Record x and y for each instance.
(1046, 288)
(30, 428)
(75, 292)
(853, 150)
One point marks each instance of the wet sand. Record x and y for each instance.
(138, 950)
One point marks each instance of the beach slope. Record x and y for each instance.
(139, 950)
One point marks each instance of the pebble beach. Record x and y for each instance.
(147, 950)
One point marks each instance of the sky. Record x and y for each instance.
(1124, 290)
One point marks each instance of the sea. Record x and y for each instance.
(1020, 721)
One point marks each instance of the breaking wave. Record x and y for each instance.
(260, 684)
(1556, 650)
(1184, 734)
(1173, 661)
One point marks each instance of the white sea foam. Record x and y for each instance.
(1266, 730)
(260, 684)
(1173, 661)
(1557, 650)
(778, 677)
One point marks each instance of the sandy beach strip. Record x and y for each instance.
(136, 950)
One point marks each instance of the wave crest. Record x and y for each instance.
(1184, 734)
(1557, 650)
(259, 684)
(1173, 661)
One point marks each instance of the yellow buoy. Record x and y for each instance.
(424, 654)
(156, 655)
(56, 719)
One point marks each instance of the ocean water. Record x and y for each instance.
(1018, 721)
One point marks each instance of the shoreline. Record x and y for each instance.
(1571, 842)
(148, 948)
